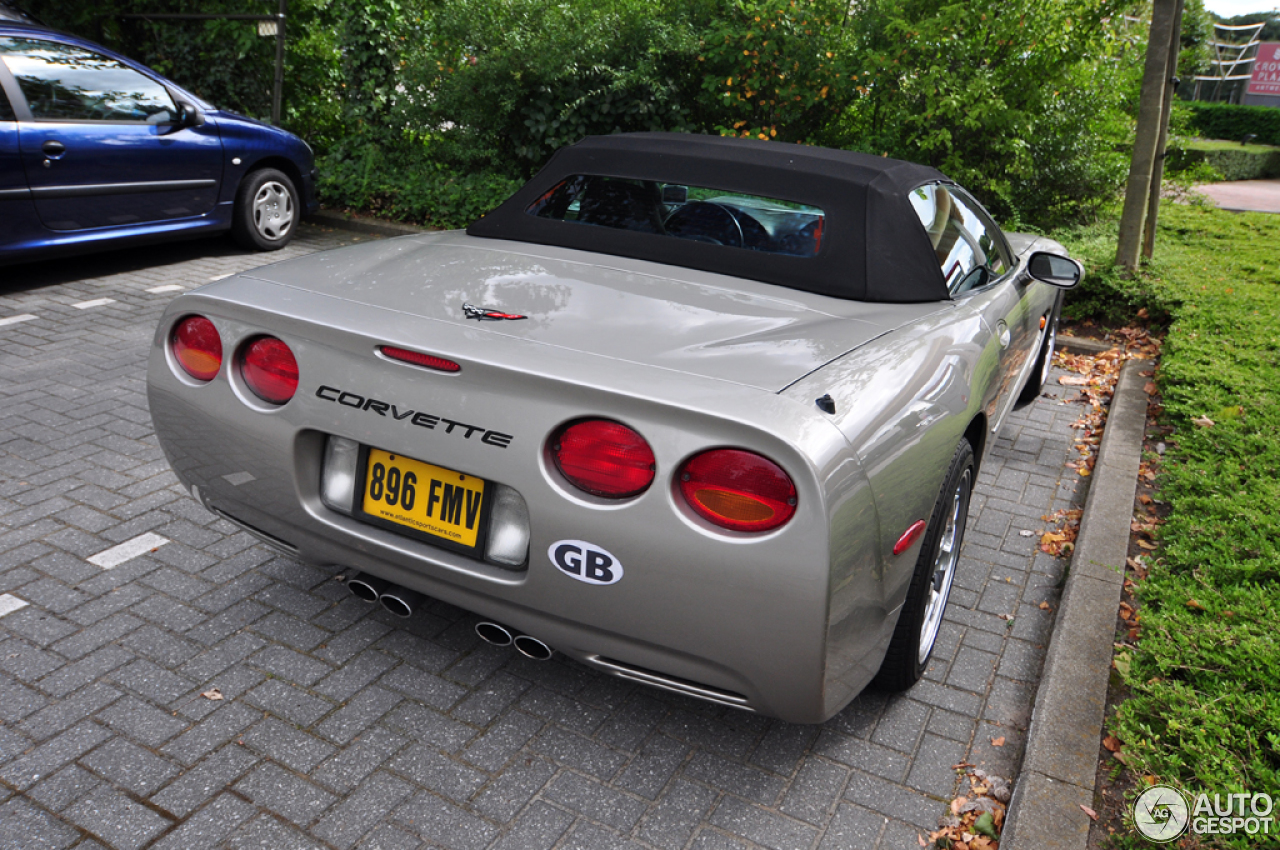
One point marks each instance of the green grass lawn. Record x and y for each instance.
(1225, 145)
(1204, 710)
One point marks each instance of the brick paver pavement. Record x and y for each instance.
(340, 726)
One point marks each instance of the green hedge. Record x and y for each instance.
(1229, 121)
(408, 185)
(1232, 163)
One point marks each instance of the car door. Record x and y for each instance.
(979, 269)
(16, 212)
(100, 143)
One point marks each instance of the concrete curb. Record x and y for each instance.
(1061, 761)
(344, 221)
(1082, 345)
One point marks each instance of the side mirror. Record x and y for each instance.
(1055, 269)
(188, 115)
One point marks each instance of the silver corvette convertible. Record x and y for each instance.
(701, 413)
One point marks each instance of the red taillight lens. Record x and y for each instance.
(417, 358)
(604, 458)
(738, 490)
(197, 347)
(270, 370)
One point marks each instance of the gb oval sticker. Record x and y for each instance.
(585, 561)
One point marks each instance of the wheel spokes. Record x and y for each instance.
(272, 211)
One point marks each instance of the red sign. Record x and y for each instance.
(1266, 70)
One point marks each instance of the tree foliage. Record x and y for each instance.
(1022, 101)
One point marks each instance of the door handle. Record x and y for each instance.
(53, 149)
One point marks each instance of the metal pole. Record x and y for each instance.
(277, 90)
(1157, 169)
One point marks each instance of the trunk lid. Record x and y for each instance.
(699, 323)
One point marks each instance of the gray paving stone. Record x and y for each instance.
(735, 778)
(814, 793)
(578, 752)
(284, 663)
(539, 826)
(129, 766)
(445, 824)
(853, 826)
(116, 819)
(23, 825)
(190, 790)
(361, 757)
(267, 833)
(428, 768)
(57, 716)
(287, 745)
(421, 685)
(595, 800)
(288, 702)
(209, 826)
(513, 789)
(225, 723)
(761, 826)
(285, 794)
(63, 788)
(362, 810)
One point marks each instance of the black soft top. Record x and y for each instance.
(874, 247)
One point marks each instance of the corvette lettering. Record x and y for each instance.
(423, 420)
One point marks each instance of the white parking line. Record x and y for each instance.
(97, 302)
(13, 320)
(128, 550)
(10, 603)
(168, 287)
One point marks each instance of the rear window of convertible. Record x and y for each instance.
(695, 213)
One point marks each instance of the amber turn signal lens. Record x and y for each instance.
(604, 458)
(738, 490)
(197, 347)
(269, 368)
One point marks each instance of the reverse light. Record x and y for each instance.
(508, 543)
(197, 347)
(417, 358)
(738, 490)
(604, 458)
(338, 479)
(269, 368)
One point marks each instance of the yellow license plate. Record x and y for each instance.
(425, 498)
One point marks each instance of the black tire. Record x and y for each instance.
(916, 633)
(266, 212)
(1040, 374)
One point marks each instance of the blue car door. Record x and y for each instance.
(101, 144)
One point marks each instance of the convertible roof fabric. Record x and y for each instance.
(874, 247)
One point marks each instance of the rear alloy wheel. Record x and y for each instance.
(917, 631)
(266, 211)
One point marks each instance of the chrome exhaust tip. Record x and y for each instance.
(531, 647)
(401, 601)
(495, 634)
(367, 587)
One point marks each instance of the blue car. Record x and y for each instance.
(97, 151)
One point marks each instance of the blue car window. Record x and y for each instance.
(62, 82)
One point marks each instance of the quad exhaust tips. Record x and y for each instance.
(400, 601)
(500, 635)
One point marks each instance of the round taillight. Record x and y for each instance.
(270, 370)
(738, 490)
(604, 458)
(197, 347)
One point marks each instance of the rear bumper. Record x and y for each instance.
(741, 620)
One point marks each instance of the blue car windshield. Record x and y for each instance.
(696, 213)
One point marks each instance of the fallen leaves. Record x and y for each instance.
(1061, 540)
(998, 742)
(974, 820)
(1088, 811)
(1203, 421)
(213, 694)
